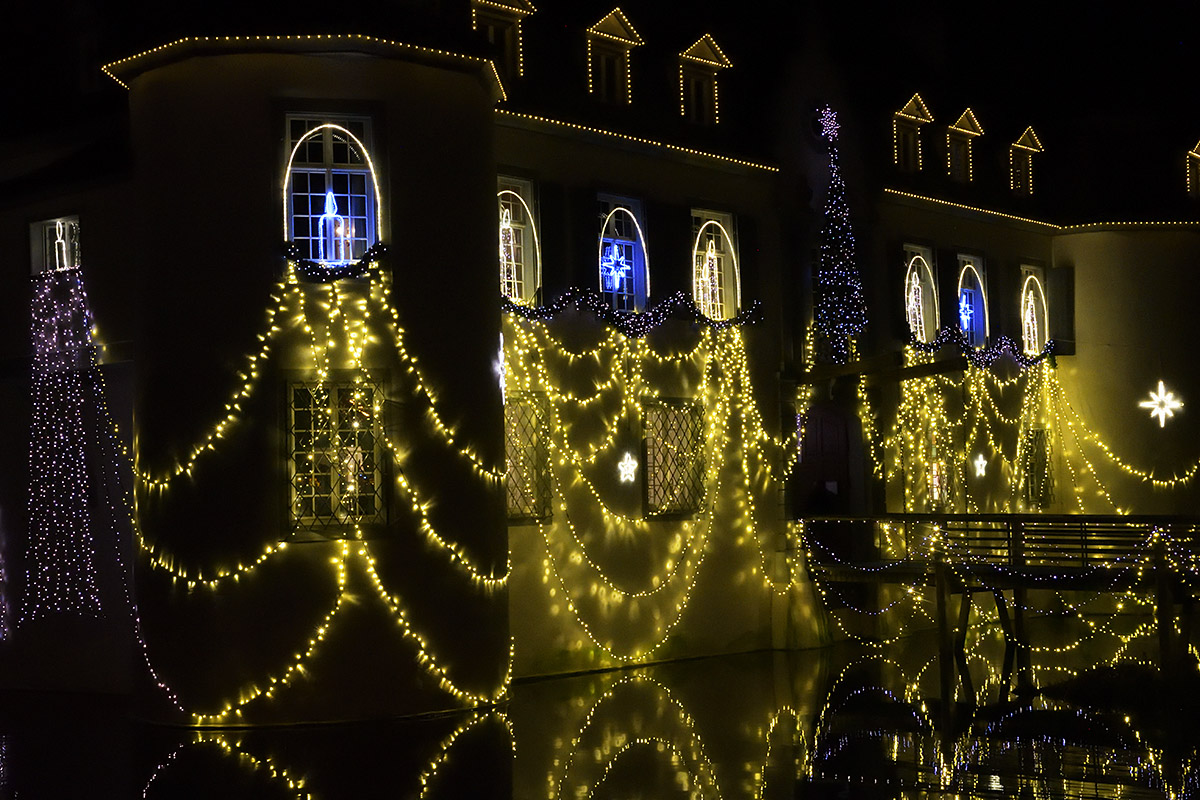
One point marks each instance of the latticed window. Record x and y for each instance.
(331, 194)
(55, 244)
(334, 461)
(674, 432)
(527, 459)
(1037, 477)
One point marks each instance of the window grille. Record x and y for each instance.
(674, 432)
(332, 199)
(55, 244)
(1037, 477)
(335, 454)
(527, 459)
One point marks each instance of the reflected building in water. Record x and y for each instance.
(578, 375)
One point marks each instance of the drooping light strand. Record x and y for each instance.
(60, 572)
(841, 311)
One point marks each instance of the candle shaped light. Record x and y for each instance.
(508, 266)
(1030, 325)
(710, 290)
(331, 241)
(61, 259)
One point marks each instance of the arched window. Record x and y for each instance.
(920, 294)
(331, 196)
(716, 279)
(972, 301)
(1034, 318)
(624, 269)
(520, 250)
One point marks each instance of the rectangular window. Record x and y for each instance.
(674, 440)
(527, 456)
(331, 189)
(972, 300)
(624, 283)
(608, 71)
(335, 454)
(1037, 478)
(54, 244)
(699, 96)
(519, 268)
(958, 159)
(906, 145)
(715, 277)
(1020, 165)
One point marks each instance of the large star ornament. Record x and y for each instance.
(627, 467)
(1162, 404)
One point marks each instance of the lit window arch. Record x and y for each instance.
(332, 205)
(972, 301)
(920, 295)
(716, 275)
(1034, 315)
(622, 262)
(520, 250)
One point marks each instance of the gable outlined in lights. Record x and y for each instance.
(962, 132)
(613, 27)
(908, 120)
(703, 58)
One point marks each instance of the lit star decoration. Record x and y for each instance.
(1162, 404)
(980, 466)
(627, 467)
(841, 312)
(965, 311)
(614, 268)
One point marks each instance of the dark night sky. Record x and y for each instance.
(1100, 85)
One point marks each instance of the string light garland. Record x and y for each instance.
(982, 357)
(632, 325)
(841, 311)
(60, 575)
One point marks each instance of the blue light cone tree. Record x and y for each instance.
(841, 312)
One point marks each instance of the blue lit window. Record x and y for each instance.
(972, 301)
(623, 271)
(331, 189)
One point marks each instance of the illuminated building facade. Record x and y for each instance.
(419, 384)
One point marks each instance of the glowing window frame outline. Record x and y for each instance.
(537, 247)
(931, 298)
(1041, 294)
(287, 179)
(641, 239)
(967, 263)
(737, 270)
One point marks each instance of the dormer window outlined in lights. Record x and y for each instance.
(609, 42)
(699, 100)
(1020, 162)
(906, 134)
(959, 139)
(500, 23)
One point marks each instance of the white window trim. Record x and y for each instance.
(918, 264)
(641, 268)
(1033, 289)
(974, 265)
(54, 248)
(520, 191)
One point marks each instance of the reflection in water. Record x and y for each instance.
(1097, 719)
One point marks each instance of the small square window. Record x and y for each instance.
(335, 455)
(527, 456)
(54, 244)
(674, 438)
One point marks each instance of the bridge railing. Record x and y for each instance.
(1015, 540)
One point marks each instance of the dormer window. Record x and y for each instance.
(500, 23)
(906, 134)
(1193, 171)
(331, 195)
(698, 66)
(959, 138)
(609, 42)
(1020, 162)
